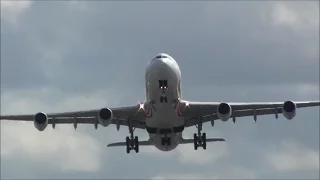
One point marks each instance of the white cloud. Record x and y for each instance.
(302, 18)
(297, 15)
(215, 151)
(63, 147)
(292, 156)
(11, 10)
(284, 15)
(237, 173)
(233, 172)
(183, 176)
(79, 5)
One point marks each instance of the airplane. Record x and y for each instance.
(164, 114)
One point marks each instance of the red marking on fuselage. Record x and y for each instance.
(149, 111)
(180, 110)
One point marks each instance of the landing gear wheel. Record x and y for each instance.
(200, 140)
(128, 144)
(136, 144)
(132, 142)
(204, 141)
(128, 141)
(204, 137)
(195, 141)
(204, 146)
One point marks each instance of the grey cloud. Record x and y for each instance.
(91, 44)
(18, 68)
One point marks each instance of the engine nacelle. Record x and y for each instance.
(224, 111)
(40, 121)
(105, 116)
(289, 109)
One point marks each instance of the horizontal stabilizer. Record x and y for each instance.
(188, 141)
(141, 143)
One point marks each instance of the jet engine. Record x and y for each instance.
(40, 121)
(289, 109)
(224, 111)
(105, 116)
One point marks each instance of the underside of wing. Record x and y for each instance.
(125, 116)
(196, 112)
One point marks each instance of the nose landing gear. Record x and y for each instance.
(165, 140)
(163, 86)
(163, 99)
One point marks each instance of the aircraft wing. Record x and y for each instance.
(120, 117)
(208, 110)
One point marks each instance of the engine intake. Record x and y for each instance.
(40, 121)
(224, 111)
(289, 110)
(105, 116)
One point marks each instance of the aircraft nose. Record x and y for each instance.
(163, 64)
(159, 65)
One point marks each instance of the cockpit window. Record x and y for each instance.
(161, 56)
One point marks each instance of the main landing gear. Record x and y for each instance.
(132, 142)
(200, 140)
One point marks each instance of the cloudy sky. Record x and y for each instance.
(61, 56)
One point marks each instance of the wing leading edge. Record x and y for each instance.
(206, 111)
(119, 116)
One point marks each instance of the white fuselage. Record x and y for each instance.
(163, 116)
